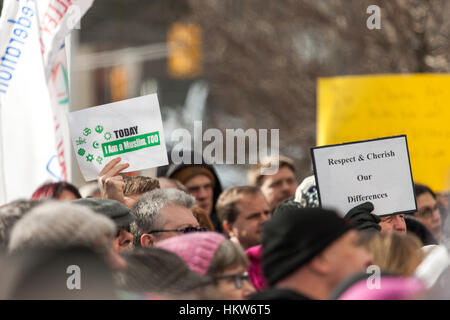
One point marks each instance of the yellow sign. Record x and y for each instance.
(355, 108)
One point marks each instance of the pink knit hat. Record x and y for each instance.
(197, 249)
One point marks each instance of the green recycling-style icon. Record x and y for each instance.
(96, 145)
(87, 131)
(99, 129)
(81, 151)
(108, 135)
(80, 141)
(89, 157)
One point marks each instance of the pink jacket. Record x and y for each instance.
(390, 288)
(255, 271)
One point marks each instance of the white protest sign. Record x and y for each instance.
(376, 170)
(131, 129)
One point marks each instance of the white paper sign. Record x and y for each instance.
(377, 170)
(131, 129)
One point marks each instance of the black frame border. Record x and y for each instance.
(313, 159)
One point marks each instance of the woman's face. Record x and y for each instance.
(234, 284)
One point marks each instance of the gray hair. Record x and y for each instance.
(11, 213)
(60, 225)
(228, 255)
(158, 271)
(148, 208)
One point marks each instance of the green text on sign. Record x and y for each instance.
(130, 144)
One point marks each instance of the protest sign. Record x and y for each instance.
(374, 170)
(131, 129)
(353, 108)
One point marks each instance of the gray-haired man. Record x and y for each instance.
(161, 214)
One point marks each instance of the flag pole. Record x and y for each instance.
(2, 167)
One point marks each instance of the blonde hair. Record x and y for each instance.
(226, 206)
(395, 253)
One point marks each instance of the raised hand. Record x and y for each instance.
(111, 184)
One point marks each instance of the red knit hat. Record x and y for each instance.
(197, 249)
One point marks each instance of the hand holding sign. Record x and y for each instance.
(362, 217)
(111, 184)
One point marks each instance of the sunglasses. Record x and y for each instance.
(184, 230)
(238, 278)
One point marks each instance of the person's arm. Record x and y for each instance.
(111, 184)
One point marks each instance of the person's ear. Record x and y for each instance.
(320, 264)
(116, 244)
(147, 240)
(125, 238)
(231, 232)
(228, 228)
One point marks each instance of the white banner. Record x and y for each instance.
(34, 93)
(57, 18)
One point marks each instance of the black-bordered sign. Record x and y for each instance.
(377, 170)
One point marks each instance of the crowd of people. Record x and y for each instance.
(181, 236)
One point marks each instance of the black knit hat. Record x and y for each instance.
(113, 209)
(295, 235)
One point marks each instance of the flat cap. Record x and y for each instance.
(118, 212)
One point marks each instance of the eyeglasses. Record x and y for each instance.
(427, 212)
(184, 230)
(238, 278)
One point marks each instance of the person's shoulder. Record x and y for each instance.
(278, 294)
